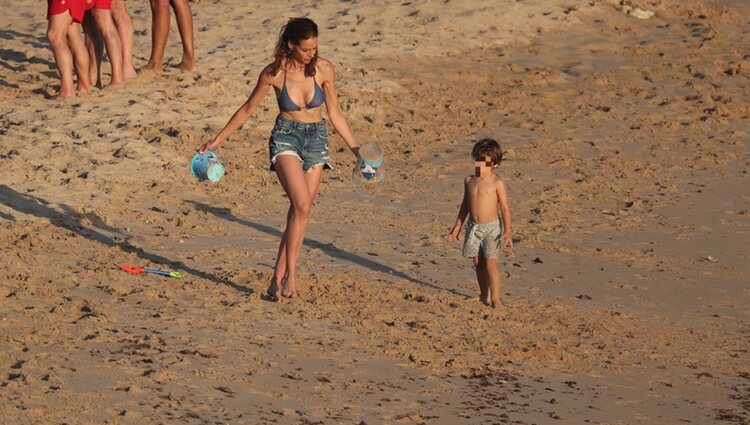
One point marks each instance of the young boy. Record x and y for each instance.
(484, 196)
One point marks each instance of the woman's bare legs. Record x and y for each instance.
(124, 25)
(301, 188)
(159, 32)
(185, 24)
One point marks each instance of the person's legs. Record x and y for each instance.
(124, 25)
(297, 185)
(106, 26)
(57, 34)
(185, 24)
(312, 179)
(480, 268)
(95, 48)
(80, 57)
(159, 33)
(493, 279)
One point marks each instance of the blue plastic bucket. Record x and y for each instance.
(207, 166)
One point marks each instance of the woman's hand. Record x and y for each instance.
(209, 146)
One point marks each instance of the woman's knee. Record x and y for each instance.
(302, 208)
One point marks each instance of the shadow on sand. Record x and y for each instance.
(328, 248)
(69, 219)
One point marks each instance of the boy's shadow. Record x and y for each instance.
(328, 248)
(69, 219)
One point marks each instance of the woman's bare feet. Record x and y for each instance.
(274, 292)
(288, 290)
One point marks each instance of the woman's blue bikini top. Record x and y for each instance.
(286, 104)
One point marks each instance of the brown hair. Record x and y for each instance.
(295, 30)
(487, 148)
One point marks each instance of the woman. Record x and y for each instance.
(298, 146)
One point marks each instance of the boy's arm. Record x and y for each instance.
(463, 211)
(504, 209)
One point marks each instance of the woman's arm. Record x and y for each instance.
(244, 112)
(332, 106)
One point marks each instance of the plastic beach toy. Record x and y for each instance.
(368, 175)
(135, 270)
(207, 166)
(370, 160)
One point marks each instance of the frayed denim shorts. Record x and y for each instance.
(307, 141)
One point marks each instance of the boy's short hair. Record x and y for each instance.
(487, 148)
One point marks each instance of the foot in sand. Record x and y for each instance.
(130, 74)
(115, 85)
(274, 292)
(64, 94)
(288, 290)
(188, 67)
(152, 67)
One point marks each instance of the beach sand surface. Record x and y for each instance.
(626, 158)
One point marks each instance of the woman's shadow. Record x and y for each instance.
(69, 219)
(328, 248)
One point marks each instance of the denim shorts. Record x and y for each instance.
(307, 141)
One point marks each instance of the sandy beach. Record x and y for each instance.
(626, 131)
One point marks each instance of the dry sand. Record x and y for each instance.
(627, 161)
